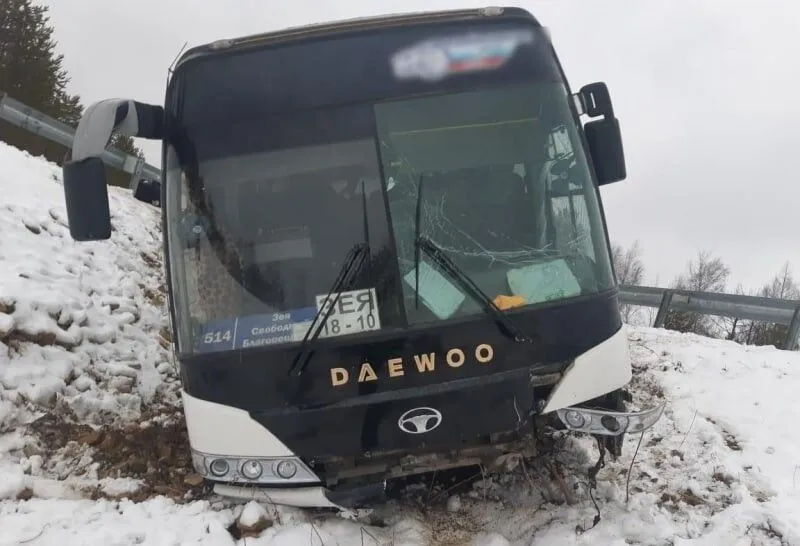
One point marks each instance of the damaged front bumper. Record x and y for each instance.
(315, 495)
(311, 496)
(609, 423)
(587, 420)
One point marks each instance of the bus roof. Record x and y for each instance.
(358, 23)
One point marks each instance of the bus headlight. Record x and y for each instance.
(286, 469)
(609, 423)
(253, 470)
(219, 467)
(574, 419)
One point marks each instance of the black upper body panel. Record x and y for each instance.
(259, 379)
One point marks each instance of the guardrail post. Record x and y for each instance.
(136, 175)
(663, 309)
(794, 330)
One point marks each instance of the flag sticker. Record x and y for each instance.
(433, 60)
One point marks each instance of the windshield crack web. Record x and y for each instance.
(441, 228)
(457, 240)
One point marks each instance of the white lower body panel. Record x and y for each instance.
(219, 429)
(301, 497)
(600, 370)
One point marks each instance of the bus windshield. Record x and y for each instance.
(262, 218)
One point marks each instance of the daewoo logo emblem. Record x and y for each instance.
(419, 420)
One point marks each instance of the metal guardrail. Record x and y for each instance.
(776, 311)
(785, 312)
(47, 127)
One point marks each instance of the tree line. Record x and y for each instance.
(32, 72)
(707, 273)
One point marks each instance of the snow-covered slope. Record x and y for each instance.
(91, 312)
(83, 342)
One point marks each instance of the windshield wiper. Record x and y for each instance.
(423, 243)
(444, 261)
(353, 262)
(355, 259)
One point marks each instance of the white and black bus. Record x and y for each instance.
(385, 249)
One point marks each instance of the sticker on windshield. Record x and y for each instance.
(433, 60)
(270, 329)
(544, 282)
(256, 330)
(436, 292)
(353, 312)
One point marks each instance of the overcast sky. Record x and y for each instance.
(707, 94)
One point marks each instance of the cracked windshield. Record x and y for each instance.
(268, 233)
(500, 191)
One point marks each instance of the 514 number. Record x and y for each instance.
(217, 337)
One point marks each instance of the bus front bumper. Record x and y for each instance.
(315, 496)
(577, 419)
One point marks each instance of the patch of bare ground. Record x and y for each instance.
(731, 441)
(165, 337)
(16, 338)
(7, 306)
(765, 533)
(155, 297)
(425, 497)
(155, 451)
(671, 499)
(458, 504)
(452, 529)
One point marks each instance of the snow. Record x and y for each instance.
(82, 338)
(83, 309)
(490, 539)
(252, 513)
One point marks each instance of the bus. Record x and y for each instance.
(385, 250)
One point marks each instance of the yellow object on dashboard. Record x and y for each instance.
(507, 302)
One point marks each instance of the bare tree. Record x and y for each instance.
(733, 327)
(628, 265)
(629, 270)
(782, 286)
(706, 273)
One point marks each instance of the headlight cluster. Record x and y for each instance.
(609, 423)
(253, 470)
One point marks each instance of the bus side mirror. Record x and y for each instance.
(85, 189)
(602, 135)
(605, 147)
(86, 196)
